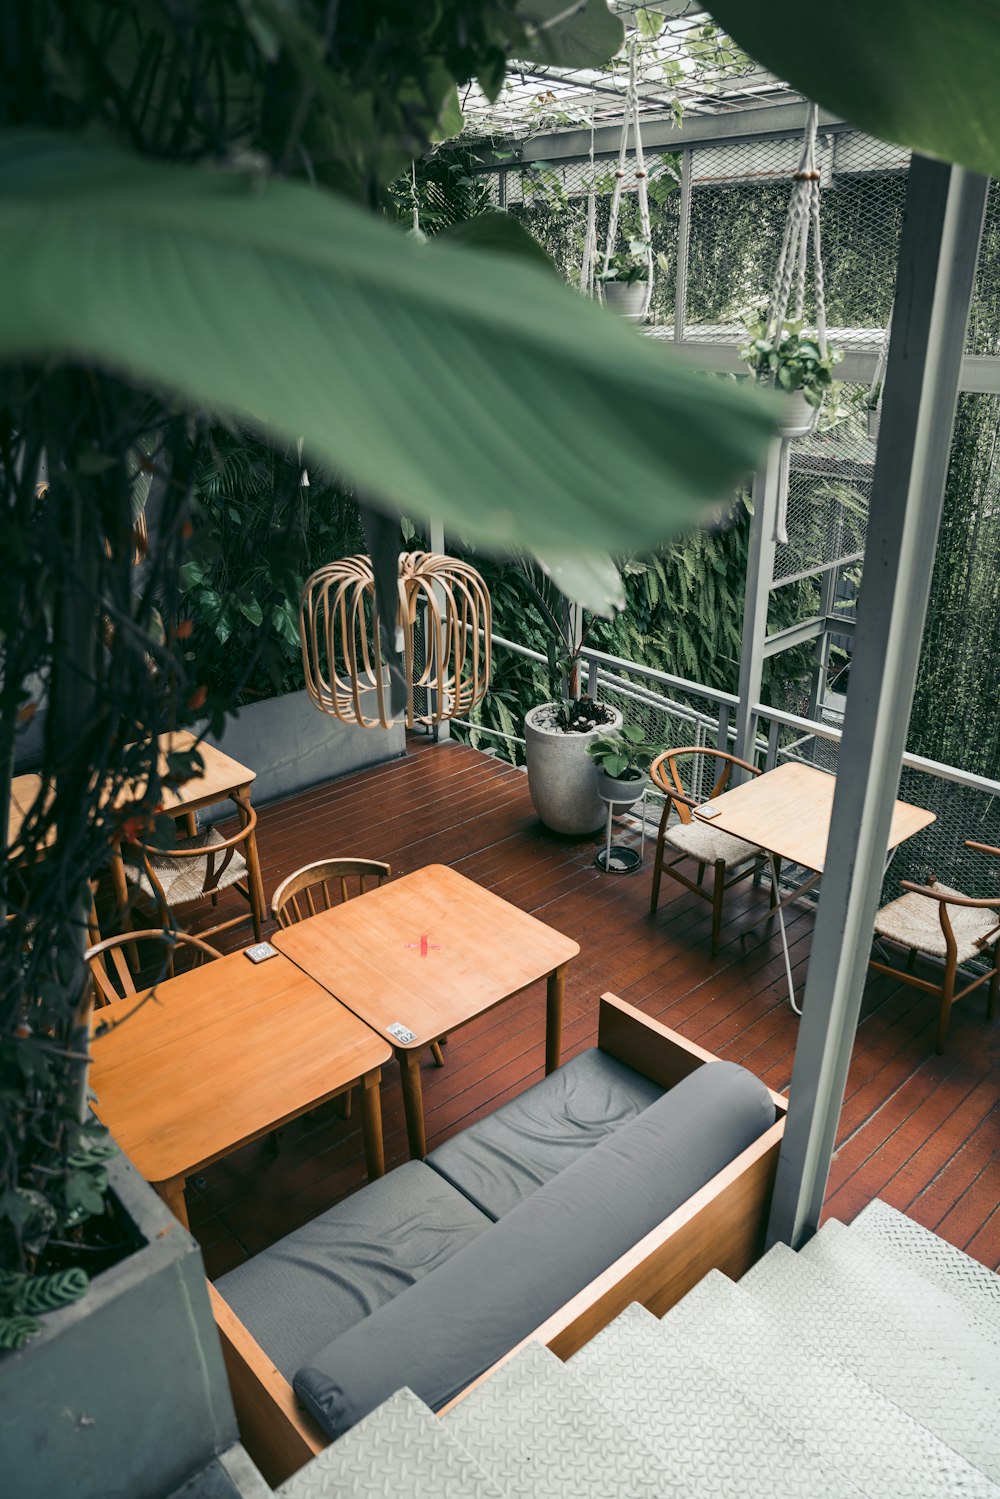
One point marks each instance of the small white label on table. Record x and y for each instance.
(401, 1033)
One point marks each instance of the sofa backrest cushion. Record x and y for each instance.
(450, 1327)
(500, 1160)
(336, 1270)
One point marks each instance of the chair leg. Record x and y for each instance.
(657, 865)
(437, 1053)
(718, 892)
(947, 999)
(701, 871)
(991, 1004)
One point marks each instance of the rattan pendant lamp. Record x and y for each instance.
(443, 636)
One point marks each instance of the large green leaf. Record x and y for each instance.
(498, 232)
(584, 36)
(466, 386)
(918, 72)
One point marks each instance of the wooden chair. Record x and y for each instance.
(943, 923)
(199, 868)
(320, 884)
(694, 839)
(112, 976)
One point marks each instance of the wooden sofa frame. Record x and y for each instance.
(721, 1227)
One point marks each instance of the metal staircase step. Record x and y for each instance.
(539, 1429)
(951, 1268)
(932, 1315)
(950, 1402)
(721, 1443)
(854, 1427)
(399, 1451)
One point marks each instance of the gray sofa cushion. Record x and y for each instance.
(335, 1271)
(500, 1160)
(447, 1329)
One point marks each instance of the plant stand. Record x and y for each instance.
(617, 859)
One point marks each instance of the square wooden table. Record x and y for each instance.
(423, 955)
(223, 1054)
(222, 777)
(787, 812)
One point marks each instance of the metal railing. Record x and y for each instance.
(673, 710)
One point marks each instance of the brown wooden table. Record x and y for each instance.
(787, 812)
(223, 1054)
(422, 956)
(221, 778)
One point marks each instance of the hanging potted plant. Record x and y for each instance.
(622, 759)
(625, 280)
(557, 733)
(794, 361)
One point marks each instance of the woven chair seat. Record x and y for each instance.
(701, 841)
(914, 921)
(184, 879)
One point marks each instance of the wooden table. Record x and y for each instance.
(223, 1054)
(422, 956)
(787, 812)
(221, 778)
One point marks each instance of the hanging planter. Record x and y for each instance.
(797, 417)
(873, 416)
(779, 349)
(627, 301)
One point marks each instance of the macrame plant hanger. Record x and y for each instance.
(588, 264)
(631, 117)
(789, 284)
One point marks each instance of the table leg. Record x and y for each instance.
(253, 870)
(779, 911)
(413, 1102)
(371, 1123)
(191, 824)
(555, 993)
(172, 1193)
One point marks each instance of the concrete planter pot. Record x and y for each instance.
(873, 416)
(621, 794)
(125, 1391)
(797, 417)
(628, 301)
(561, 774)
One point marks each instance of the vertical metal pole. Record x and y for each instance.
(683, 242)
(760, 575)
(935, 278)
(443, 729)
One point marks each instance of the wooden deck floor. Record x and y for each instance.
(920, 1131)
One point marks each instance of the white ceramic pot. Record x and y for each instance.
(561, 776)
(627, 301)
(797, 418)
(622, 794)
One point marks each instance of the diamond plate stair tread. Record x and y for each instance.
(859, 1431)
(933, 1316)
(719, 1441)
(400, 1451)
(538, 1428)
(932, 1257)
(944, 1398)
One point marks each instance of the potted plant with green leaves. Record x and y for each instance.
(558, 732)
(625, 280)
(622, 759)
(793, 361)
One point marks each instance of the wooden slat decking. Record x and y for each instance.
(921, 1131)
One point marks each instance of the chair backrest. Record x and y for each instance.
(322, 885)
(665, 774)
(217, 855)
(113, 978)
